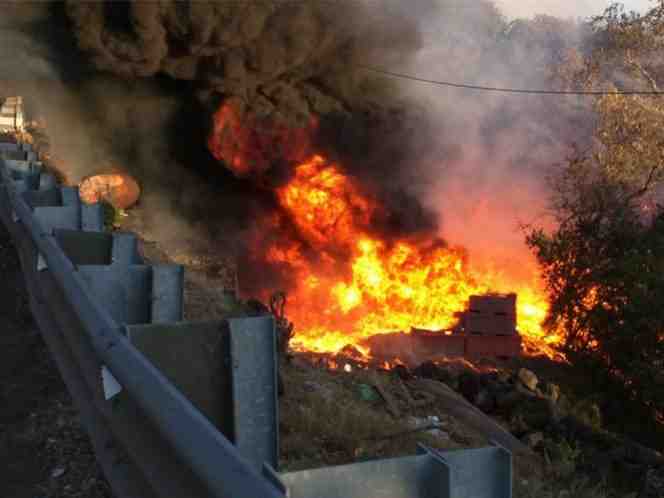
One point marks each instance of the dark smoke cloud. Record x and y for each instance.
(285, 61)
(286, 58)
(475, 161)
(151, 127)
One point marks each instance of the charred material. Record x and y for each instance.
(486, 330)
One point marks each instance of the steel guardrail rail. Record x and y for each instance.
(211, 456)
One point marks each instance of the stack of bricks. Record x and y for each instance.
(491, 315)
(490, 325)
(11, 115)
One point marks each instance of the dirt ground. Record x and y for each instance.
(44, 451)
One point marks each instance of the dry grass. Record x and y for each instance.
(324, 421)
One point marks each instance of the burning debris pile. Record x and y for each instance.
(348, 280)
(345, 233)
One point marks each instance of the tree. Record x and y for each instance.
(604, 264)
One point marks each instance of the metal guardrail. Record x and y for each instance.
(150, 439)
(178, 409)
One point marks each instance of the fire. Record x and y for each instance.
(364, 286)
(250, 145)
(351, 283)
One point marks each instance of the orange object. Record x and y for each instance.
(118, 189)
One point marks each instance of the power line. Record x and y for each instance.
(505, 90)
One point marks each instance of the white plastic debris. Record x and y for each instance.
(58, 472)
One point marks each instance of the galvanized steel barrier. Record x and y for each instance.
(180, 409)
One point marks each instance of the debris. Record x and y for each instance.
(58, 472)
(351, 352)
(430, 425)
(419, 422)
(528, 378)
(473, 417)
(118, 189)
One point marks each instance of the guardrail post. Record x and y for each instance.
(227, 370)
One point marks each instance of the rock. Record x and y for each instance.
(421, 422)
(469, 386)
(528, 378)
(402, 372)
(551, 391)
(431, 421)
(519, 387)
(653, 484)
(533, 439)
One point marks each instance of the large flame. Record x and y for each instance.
(383, 287)
(358, 284)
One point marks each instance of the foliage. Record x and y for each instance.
(603, 269)
(627, 55)
(604, 264)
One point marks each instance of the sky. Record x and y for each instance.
(566, 8)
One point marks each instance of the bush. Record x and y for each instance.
(604, 271)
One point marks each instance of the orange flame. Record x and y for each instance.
(249, 145)
(361, 285)
(383, 287)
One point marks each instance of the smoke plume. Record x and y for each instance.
(139, 82)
